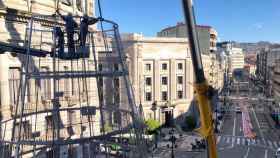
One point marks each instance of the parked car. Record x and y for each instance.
(277, 153)
(237, 109)
(112, 149)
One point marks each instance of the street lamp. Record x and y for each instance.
(173, 140)
(154, 108)
(141, 109)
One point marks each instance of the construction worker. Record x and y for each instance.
(85, 22)
(60, 40)
(70, 25)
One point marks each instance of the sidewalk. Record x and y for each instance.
(272, 124)
(183, 142)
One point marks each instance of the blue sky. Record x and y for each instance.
(240, 20)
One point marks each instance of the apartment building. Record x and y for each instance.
(267, 60)
(233, 56)
(237, 59)
(276, 81)
(206, 34)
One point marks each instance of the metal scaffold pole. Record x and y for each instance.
(201, 85)
(24, 88)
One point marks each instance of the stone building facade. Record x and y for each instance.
(14, 16)
(162, 74)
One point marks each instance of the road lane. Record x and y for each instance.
(228, 124)
(238, 129)
(257, 122)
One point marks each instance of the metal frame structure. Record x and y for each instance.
(17, 145)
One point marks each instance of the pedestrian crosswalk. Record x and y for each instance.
(239, 140)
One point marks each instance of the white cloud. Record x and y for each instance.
(257, 26)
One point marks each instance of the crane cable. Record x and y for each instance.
(99, 8)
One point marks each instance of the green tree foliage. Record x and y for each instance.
(190, 122)
(107, 127)
(152, 126)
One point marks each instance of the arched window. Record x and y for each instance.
(67, 2)
(79, 5)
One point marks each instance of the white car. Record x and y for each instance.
(277, 153)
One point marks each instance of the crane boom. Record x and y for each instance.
(201, 86)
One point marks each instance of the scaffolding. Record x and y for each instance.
(84, 109)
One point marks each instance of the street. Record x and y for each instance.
(248, 133)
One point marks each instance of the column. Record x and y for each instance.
(189, 79)
(4, 93)
(156, 79)
(172, 85)
(4, 86)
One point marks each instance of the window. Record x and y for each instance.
(74, 83)
(180, 66)
(164, 66)
(148, 96)
(116, 90)
(148, 67)
(79, 5)
(117, 97)
(25, 130)
(116, 67)
(116, 117)
(66, 2)
(164, 80)
(101, 84)
(180, 94)
(116, 83)
(180, 79)
(100, 67)
(148, 81)
(45, 86)
(49, 127)
(71, 118)
(164, 95)
(212, 44)
(103, 52)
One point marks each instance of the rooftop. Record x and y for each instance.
(181, 24)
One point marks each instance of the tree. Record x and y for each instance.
(190, 122)
(107, 127)
(152, 126)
